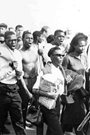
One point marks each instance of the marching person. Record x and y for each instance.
(55, 75)
(75, 60)
(29, 54)
(10, 73)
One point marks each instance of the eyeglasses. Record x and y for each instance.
(58, 55)
(12, 40)
(2, 42)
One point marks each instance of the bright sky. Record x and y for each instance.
(33, 14)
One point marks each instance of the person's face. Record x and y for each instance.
(48, 32)
(57, 57)
(59, 38)
(28, 40)
(80, 47)
(40, 39)
(19, 31)
(11, 41)
(2, 40)
(2, 30)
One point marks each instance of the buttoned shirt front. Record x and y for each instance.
(8, 56)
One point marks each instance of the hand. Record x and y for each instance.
(53, 95)
(13, 64)
(68, 79)
(30, 95)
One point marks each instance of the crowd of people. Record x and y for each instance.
(40, 67)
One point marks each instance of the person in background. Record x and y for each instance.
(10, 73)
(59, 39)
(2, 40)
(50, 38)
(37, 40)
(3, 28)
(11, 29)
(19, 31)
(45, 32)
(43, 46)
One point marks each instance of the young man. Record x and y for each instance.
(30, 64)
(10, 73)
(19, 31)
(3, 28)
(60, 39)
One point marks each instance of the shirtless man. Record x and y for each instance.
(30, 62)
(30, 59)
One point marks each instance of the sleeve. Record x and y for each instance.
(65, 62)
(19, 69)
(37, 83)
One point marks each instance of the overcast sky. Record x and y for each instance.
(33, 14)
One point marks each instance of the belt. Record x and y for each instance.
(29, 77)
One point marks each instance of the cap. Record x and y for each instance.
(44, 28)
(3, 25)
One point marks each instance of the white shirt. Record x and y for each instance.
(55, 77)
(7, 56)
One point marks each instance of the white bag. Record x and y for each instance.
(47, 85)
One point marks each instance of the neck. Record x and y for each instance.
(36, 42)
(55, 64)
(77, 54)
(26, 48)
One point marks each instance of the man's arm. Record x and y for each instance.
(22, 82)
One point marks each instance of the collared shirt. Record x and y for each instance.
(53, 75)
(75, 63)
(8, 73)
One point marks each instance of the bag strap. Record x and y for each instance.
(65, 82)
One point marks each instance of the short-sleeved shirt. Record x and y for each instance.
(7, 56)
(74, 63)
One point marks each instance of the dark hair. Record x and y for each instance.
(24, 33)
(75, 40)
(18, 26)
(2, 35)
(50, 38)
(3, 25)
(52, 50)
(58, 31)
(8, 33)
(36, 34)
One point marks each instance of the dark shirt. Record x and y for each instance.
(74, 63)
